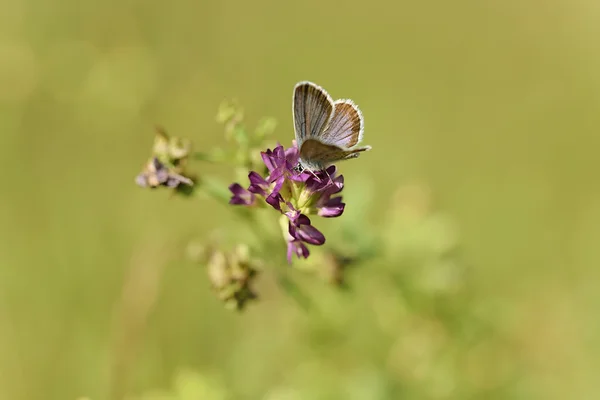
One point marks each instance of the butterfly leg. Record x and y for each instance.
(313, 174)
(329, 176)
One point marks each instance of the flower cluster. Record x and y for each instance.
(231, 275)
(295, 195)
(157, 174)
(166, 166)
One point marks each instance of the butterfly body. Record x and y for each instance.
(327, 131)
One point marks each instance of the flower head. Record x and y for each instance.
(232, 274)
(166, 167)
(296, 195)
(156, 174)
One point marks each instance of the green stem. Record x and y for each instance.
(215, 188)
(294, 291)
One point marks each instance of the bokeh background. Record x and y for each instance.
(491, 106)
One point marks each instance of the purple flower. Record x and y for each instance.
(258, 184)
(156, 174)
(298, 248)
(241, 195)
(295, 195)
(332, 207)
(300, 231)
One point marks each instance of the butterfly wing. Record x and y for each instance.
(318, 155)
(346, 127)
(312, 110)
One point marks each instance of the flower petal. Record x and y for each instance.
(332, 208)
(240, 196)
(297, 247)
(302, 220)
(256, 179)
(141, 180)
(258, 184)
(337, 184)
(172, 182)
(274, 200)
(275, 158)
(311, 235)
(292, 155)
(162, 175)
(268, 160)
(301, 229)
(161, 172)
(277, 173)
(278, 185)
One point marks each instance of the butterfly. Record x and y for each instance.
(327, 131)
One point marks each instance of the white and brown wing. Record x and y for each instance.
(318, 155)
(312, 110)
(346, 128)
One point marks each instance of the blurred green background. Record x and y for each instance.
(492, 105)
